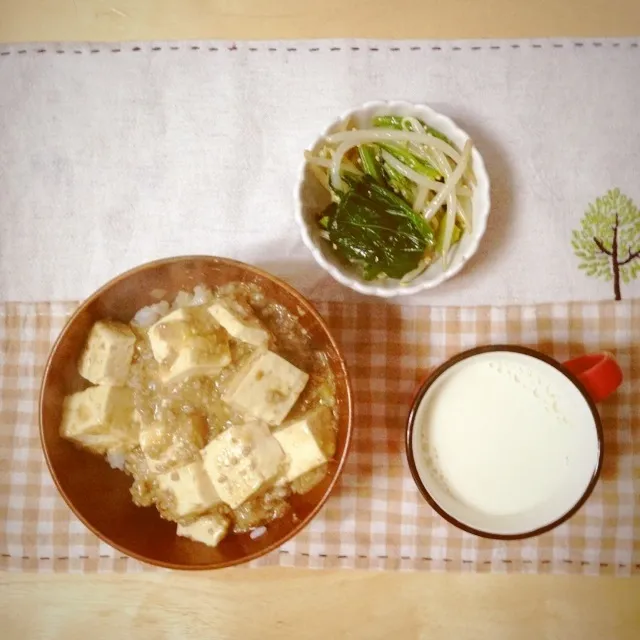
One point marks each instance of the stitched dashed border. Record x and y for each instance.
(302, 49)
(582, 563)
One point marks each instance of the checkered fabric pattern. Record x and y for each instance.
(376, 518)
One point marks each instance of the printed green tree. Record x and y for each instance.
(608, 241)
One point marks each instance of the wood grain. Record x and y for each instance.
(275, 604)
(113, 20)
(282, 603)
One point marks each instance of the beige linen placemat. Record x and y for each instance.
(376, 518)
(115, 154)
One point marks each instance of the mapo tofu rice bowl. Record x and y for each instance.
(216, 404)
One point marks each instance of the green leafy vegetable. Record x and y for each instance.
(377, 230)
(350, 180)
(393, 202)
(371, 271)
(397, 122)
(388, 122)
(455, 237)
(367, 155)
(412, 161)
(324, 220)
(397, 182)
(436, 134)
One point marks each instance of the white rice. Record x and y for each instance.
(116, 460)
(257, 532)
(150, 314)
(200, 295)
(147, 316)
(183, 299)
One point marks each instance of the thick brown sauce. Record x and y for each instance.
(194, 412)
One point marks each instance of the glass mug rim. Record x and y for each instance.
(465, 355)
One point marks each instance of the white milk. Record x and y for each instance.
(505, 442)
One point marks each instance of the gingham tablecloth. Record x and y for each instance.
(375, 518)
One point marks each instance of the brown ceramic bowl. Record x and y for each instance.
(99, 495)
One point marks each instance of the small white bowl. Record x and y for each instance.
(311, 198)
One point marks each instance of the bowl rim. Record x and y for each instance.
(299, 526)
(410, 428)
(354, 283)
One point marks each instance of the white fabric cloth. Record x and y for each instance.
(112, 155)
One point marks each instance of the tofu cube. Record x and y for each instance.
(189, 491)
(306, 442)
(185, 346)
(172, 440)
(238, 323)
(209, 529)
(108, 353)
(100, 418)
(241, 461)
(168, 334)
(198, 358)
(267, 388)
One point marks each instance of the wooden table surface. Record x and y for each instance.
(281, 603)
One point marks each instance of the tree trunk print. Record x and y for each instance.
(613, 254)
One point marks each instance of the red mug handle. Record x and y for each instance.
(599, 373)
